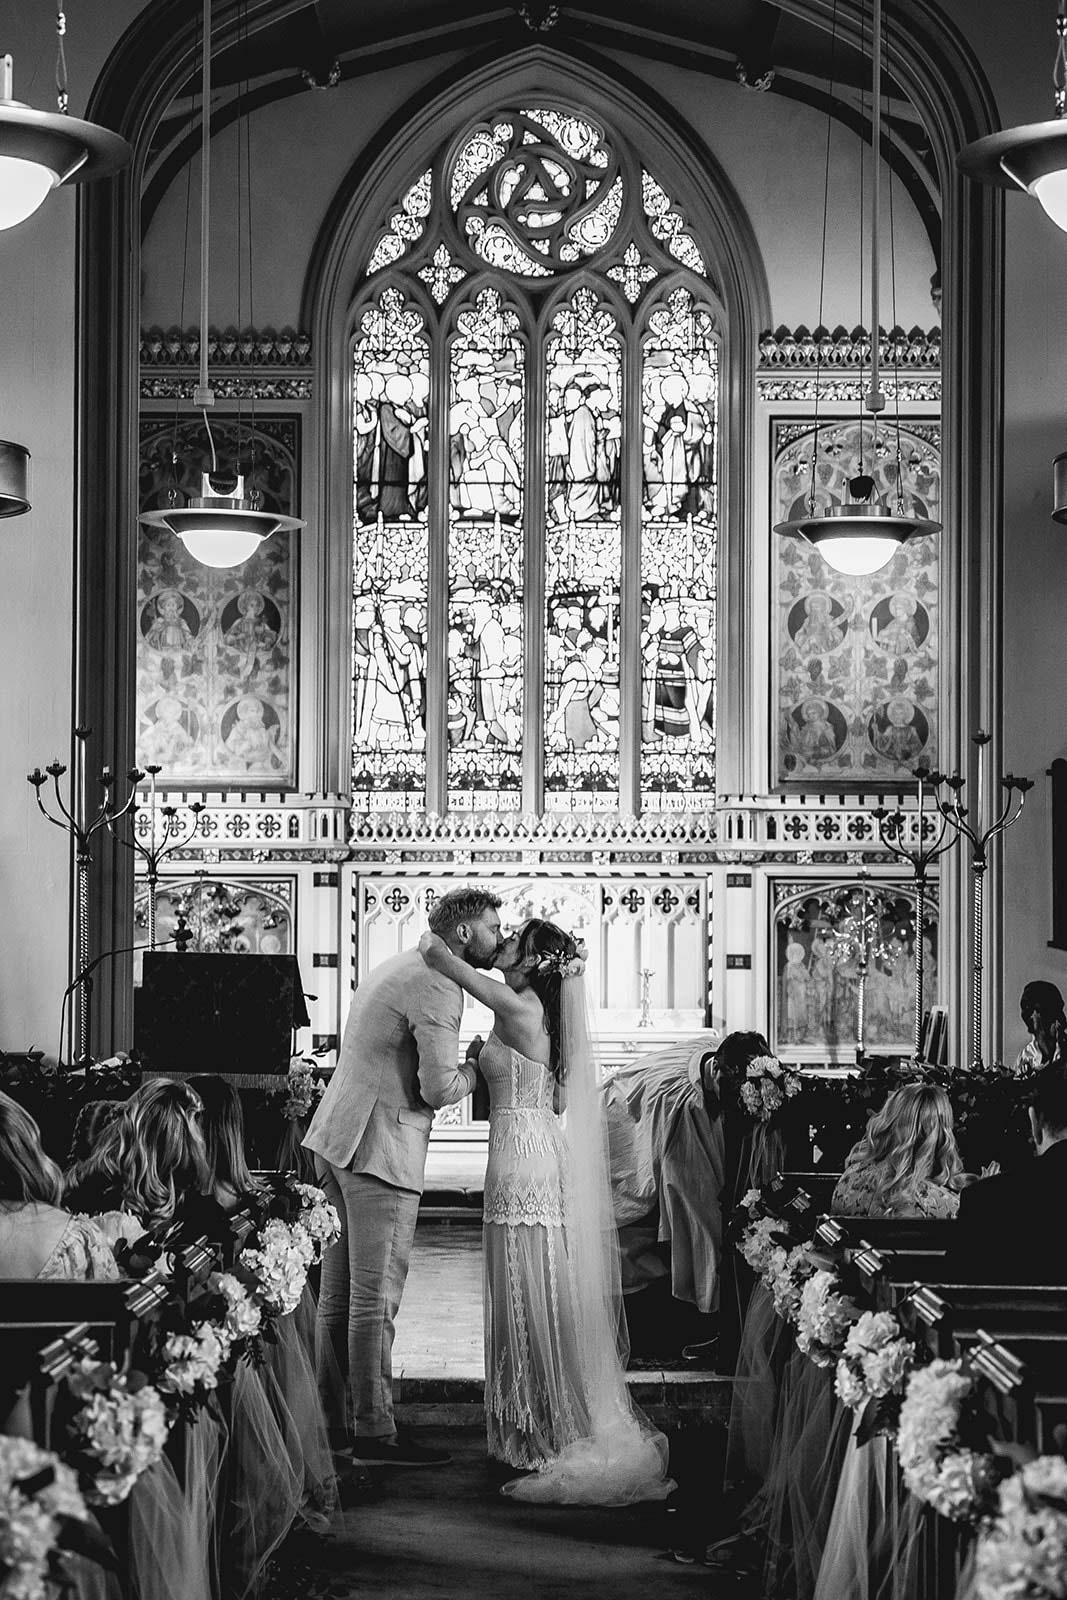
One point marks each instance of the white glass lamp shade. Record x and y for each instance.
(220, 530)
(1051, 191)
(23, 187)
(857, 555)
(215, 545)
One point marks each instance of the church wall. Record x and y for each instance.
(315, 137)
(1017, 60)
(37, 354)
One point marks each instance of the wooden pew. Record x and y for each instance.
(34, 1314)
(819, 1185)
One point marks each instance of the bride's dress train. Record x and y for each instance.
(556, 1401)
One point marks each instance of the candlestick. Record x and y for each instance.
(892, 827)
(162, 842)
(979, 839)
(82, 823)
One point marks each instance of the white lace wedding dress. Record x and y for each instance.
(556, 1402)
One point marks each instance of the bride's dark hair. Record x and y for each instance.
(553, 949)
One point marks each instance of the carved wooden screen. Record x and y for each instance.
(535, 380)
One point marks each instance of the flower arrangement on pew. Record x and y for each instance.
(938, 1468)
(42, 1517)
(303, 1088)
(928, 1408)
(121, 1428)
(824, 1317)
(1023, 1551)
(871, 1373)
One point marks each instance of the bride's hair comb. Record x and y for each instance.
(568, 962)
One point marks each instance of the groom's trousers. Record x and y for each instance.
(363, 1278)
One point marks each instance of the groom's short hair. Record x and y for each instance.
(460, 905)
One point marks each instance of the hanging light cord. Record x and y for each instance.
(1059, 69)
(204, 396)
(62, 98)
(875, 397)
(893, 294)
(822, 261)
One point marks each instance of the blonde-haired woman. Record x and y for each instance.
(907, 1163)
(151, 1164)
(39, 1237)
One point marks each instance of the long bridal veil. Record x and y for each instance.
(622, 1458)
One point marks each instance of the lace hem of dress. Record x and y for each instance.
(536, 1205)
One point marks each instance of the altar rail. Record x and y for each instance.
(256, 825)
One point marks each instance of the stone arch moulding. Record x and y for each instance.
(148, 64)
(674, 154)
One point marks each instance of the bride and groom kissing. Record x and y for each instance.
(556, 1403)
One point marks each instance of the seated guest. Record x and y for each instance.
(1008, 1229)
(151, 1167)
(1041, 1007)
(907, 1163)
(231, 1183)
(93, 1121)
(39, 1237)
(666, 1156)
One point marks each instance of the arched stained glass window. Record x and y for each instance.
(535, 398)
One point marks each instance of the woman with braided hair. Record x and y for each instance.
(556, 1402)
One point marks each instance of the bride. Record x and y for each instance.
(556, 1402)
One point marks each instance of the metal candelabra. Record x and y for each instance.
(932, 839)
(859, 935)
(82, 819)
(157, 833)
(980, 838)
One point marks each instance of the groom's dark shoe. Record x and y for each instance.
(398, 1450)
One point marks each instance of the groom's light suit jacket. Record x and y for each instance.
(399, 1061)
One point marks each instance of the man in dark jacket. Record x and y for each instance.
(1010, 1228)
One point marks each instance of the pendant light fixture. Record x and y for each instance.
(1033, 157)
(14, 460)
(39, 150)
(861, 535)
(222, 526)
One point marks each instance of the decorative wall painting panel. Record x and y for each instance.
(679, 531)
(485, 575)
(857, 659)
(583, 561)
(215, 648)
(823, 932)
(391, 385)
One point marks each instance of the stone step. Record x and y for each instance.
(666, 1397)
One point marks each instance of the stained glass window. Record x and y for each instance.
(485, 492)
(583, 548)
(679, 422)
(391, 387)
(535, 591)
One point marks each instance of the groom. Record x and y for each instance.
(398, 1062)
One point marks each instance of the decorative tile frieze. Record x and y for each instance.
(844, 389)
(254, 364)
(252, 348)
(801, 348)
(249, 386)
